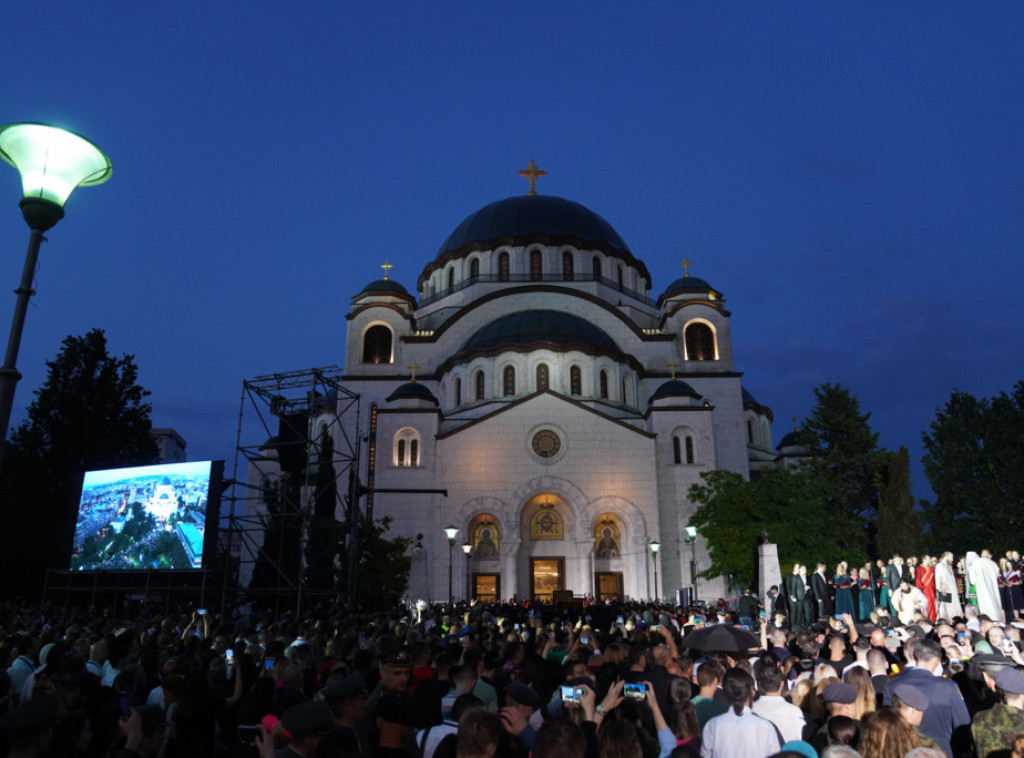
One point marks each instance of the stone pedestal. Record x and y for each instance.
(768, 571)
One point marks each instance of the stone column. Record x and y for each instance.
(510, 569)
(768, 571)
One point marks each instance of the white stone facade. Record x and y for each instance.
(610, 459)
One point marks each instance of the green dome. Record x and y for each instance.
(541, 325)
(541, 218)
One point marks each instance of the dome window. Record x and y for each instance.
(536, 266)
(407, 448)
(377, 345)
(543, 376)
(575, 381)
(567, 266)
(504, 267)
(474, 269)
(457, 391)
(603, 382)
(479, 380)
(699, 340)
(509, 381)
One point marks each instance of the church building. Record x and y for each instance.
(564, 404)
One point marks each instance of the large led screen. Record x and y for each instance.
(146, 517)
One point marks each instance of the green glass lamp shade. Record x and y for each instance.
(52, 161)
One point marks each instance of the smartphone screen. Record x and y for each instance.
(201, 611)
(229, 656)
(125, 710)
(635, 691)
(247, 734)
(569, 694)
(268, 664)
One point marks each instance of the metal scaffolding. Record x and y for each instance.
(291, 492)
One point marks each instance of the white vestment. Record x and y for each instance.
(945, 582)
(983, 575)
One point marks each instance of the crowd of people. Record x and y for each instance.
(514, 680)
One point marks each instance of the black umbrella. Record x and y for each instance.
(721, 638)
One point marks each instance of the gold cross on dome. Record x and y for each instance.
(686, 267)
(673, 365)
(414, 368)
(387, 269)
(531, 172)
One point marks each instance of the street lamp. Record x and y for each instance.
(52, 163)
(655, 546)
(466, 550)
(691, 540)
(450, 532)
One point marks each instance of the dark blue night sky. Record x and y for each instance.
(849, 175)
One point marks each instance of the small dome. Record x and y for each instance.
(544, 217)
(688, 284)
(674, 388)
(384, 286)
(412, 391)
(540, 325)
(790, 440)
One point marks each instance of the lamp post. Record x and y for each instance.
(466, 550)
(691, 540)
(450, 532)
(52, 163)
(655, 546)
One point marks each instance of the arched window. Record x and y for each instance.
(504, 267)
(509, 381)
(689, 449)
(677, 456)
(474, 269)
(479, 379)
(750, 432)
(575, 381)
(451, 278)
(603, 381)
(377, 344)
(457, 390)
(536, 265)
(543, 376)
(567, 266)
(700, 342)
(620, 278)
(407, 448)
(596, 267)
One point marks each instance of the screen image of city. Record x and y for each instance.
(142, 518)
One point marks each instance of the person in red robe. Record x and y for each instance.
(924, 580)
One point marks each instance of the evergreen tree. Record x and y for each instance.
(974, 460)
(899, 525)
(845, 456)
(89, 414)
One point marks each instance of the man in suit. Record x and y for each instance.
(894, 574)
(945, 720)
(796, 591)
(822, 590)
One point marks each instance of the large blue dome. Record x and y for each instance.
(542, 218)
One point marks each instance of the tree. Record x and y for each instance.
(844, 454)
(974, 460)
(89, 414)
(383, 571)
(899, 525)
(787, 503)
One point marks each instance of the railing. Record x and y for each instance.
(533, 278)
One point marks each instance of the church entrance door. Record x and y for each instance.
(546, 576)
(608, 585)
(487, 587)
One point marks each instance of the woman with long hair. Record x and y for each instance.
(887, 735)
(860, 679)
(844, 597)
